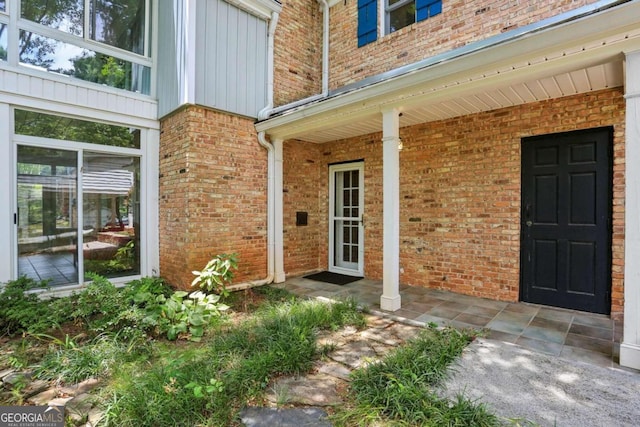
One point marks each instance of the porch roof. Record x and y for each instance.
(570, 54)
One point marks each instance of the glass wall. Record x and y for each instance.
(73, 222)
(35, 123)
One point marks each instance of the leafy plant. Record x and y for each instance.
(188, 314)
(22, 311)
(217, 274)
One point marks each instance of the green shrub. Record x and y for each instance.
(21, 311)
(217, 274)
(187, 315)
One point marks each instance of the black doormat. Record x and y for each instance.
(335, 278)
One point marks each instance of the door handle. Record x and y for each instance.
(529, 223)
(362, 220)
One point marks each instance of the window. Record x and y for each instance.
(118, 23)
(69, 129)
(397, 14)
(100, 41)
(63, 58)
(401, 13)
(3, 42)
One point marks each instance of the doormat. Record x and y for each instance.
(334, 278)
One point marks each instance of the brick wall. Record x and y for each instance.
(460, 194)
(213, 179)
(461, 22)
(298, 51)
(301, 194)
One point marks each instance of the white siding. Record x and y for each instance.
(231, 59)
(171, 56)
(32, 89)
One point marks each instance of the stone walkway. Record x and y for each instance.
(77, 398)
(293, 401)
(323, 387)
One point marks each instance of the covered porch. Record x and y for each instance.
(587, 60)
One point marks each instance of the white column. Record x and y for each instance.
(630, 347)
(278, 228)
(6, 195)
(390, 299)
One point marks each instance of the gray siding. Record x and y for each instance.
(171, 56)
(231, 64)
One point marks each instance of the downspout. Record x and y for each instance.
(264, 113)
(325, 69)
(325, 47)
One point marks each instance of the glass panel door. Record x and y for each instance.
(47, 188)
(346, 219)
(111, 214)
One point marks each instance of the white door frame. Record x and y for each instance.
(356, 268)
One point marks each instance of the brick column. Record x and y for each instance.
(390, 299)
(630, 347)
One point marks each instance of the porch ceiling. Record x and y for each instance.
(576, 57)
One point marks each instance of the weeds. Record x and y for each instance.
(209, 384)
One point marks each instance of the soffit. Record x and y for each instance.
(542, 66)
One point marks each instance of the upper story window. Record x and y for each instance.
(401, 13)
(100, 41)
(397, 14)
(118, 23)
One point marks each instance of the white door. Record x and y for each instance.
(346, 219)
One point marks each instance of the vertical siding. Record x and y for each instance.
(231, 70)
(171, 59)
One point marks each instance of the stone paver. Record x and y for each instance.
(347, 349)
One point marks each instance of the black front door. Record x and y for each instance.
(566, 211)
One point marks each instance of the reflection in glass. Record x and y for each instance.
(68, 129)
(47, 216)
(119, 23)
(2, 5)
(111, 211)
(64, 58)
(402, 16)
(63, 15)
(3, 42)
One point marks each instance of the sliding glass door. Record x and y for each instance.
(46, 218)
(73, 221)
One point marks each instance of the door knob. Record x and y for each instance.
(529, 223)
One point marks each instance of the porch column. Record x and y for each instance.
(390, 299)
(278, 229)
(630, 347)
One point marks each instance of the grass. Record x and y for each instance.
(399, 390)
(209, 383)
(115, 336)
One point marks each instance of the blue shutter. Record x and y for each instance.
(427, 8)
(367, 21)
